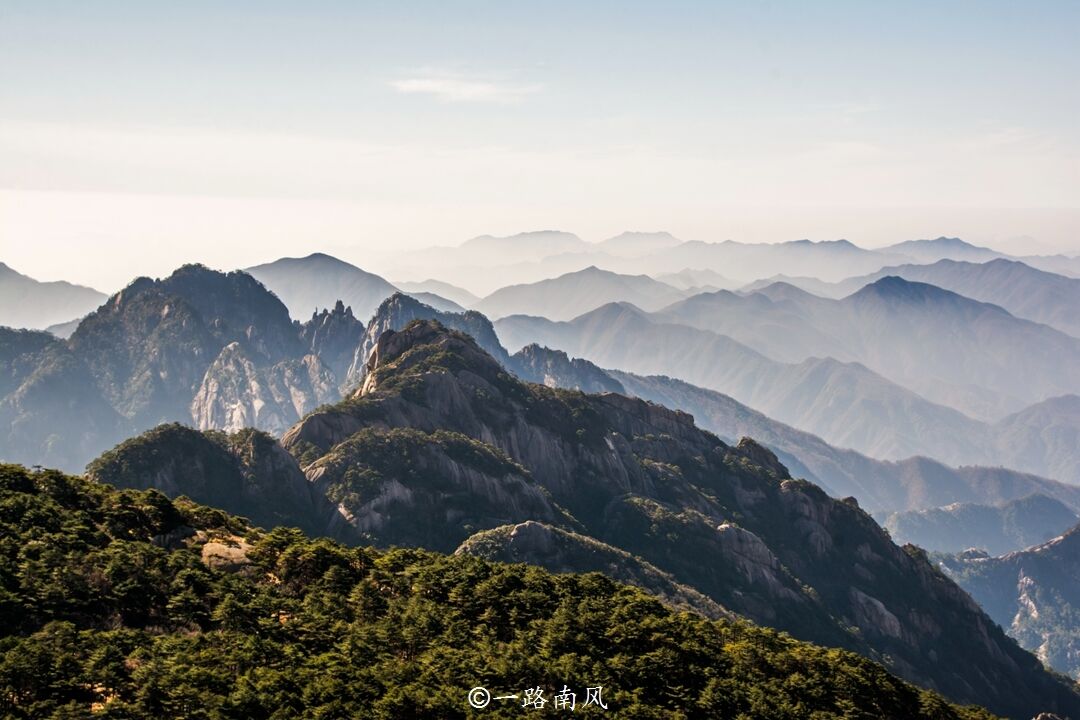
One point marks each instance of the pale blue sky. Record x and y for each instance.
(159, 132)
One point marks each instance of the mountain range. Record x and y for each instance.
(995, 529)
(930, 251)
(1033, 593)
(212, 349)
(162, 351)
(914, 483)
(1024, 291)
(911, 483)
(970, 355)
(567, 296)
(486, 263)
(35, 305)
(846, 403)
(441, 444)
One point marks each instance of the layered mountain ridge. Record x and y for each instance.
(441, 441)
(32, 304)
(1032, 592)
(846, 402)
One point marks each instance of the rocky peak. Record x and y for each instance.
(555, 368)
(237, 392)
(419, 345)
(762, 456)
(334, 336)
(399, 310)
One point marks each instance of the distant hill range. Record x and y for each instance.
(892, 335)
(35, 305)
(219, 351)
(570, 295)
(1024, 291)
(309, 284)
(996, 529)
(970, 355)
(487, 263)
(1033, 593)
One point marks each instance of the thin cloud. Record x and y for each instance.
(453, 88)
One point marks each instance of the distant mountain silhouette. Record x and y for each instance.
(929, 251)
(1024, 291)
(453, 293)
(972, 356)
(629, 244)
(997, 529)
(35, 305)
(315, 282)
(698, 280)
(570, 295)
(845, 403)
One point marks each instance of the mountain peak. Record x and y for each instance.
(611, 312)
(894, 287)
(422, 347)
(940, 247)
(319, 281)
(635, 234)
(529, 236)
(783, 290)
(841, 243)
(948, 242)
(399, 310)
(590, 270)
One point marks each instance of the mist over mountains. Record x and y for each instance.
(29, 303)
(318, 281)
(1024, 291)
(972, 356)
(567, 296)
(487, 263)
(398, 413)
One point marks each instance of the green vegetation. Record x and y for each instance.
(245, 473)
(410, 488)
(109, 611)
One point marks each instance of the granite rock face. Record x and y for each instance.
(1034, 593)
(236, 393)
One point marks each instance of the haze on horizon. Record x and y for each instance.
(135, 137)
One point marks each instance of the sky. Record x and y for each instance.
(136, 136)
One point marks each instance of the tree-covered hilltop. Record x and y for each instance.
(124, 604)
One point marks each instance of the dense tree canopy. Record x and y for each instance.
(124, 604)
